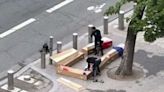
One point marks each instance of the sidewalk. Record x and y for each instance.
(151, 83)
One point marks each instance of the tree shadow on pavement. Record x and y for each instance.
(153, 63)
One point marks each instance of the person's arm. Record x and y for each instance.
(100, 33)
(92, 34)
(89, 61)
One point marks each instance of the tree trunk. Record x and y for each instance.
(126, 64)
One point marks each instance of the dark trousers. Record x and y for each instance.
(95, 71)
(98, 47)
(96, 68)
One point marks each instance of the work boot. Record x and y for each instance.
(99, 74)
(95, 80)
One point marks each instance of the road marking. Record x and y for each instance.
(97, 8)
(59, 6)
(101, 6)
(90, 8)
(17, 27)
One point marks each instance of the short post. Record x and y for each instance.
(59, 46)
(75, 40)
(51, 49)
(10, 80)
(121, 20)
(106, 24)
(134, 5)
(89, 33)
(43, 59)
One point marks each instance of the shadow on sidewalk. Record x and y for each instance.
(153, 63)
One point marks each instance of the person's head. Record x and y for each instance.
(91, 57)
(93, 28)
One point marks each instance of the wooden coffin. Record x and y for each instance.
(67, 57)
(73, 72)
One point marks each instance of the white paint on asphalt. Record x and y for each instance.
(59, 6)
(101, 6)
(17, 27)
(90, 8)
(97, 8)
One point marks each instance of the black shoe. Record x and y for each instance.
(99, 74)
(95, 80)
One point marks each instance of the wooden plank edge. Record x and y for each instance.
(70, 84)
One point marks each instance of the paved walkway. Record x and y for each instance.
(148, 56)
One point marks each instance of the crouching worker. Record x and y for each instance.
(90, 61)
(95, 63)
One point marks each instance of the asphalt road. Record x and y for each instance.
(23, 45)
(13, 12)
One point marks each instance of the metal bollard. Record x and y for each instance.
(75, 40)
(59, 46)
(51, 49)
(10, 80)
(121, 20)
(106, 24)
(134, 5)
(89, 33)
(43, 59)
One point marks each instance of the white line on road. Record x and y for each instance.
(59, 6)
(17, 27)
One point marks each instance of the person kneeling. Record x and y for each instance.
(95, 62)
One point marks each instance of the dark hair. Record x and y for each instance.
(94, 28)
